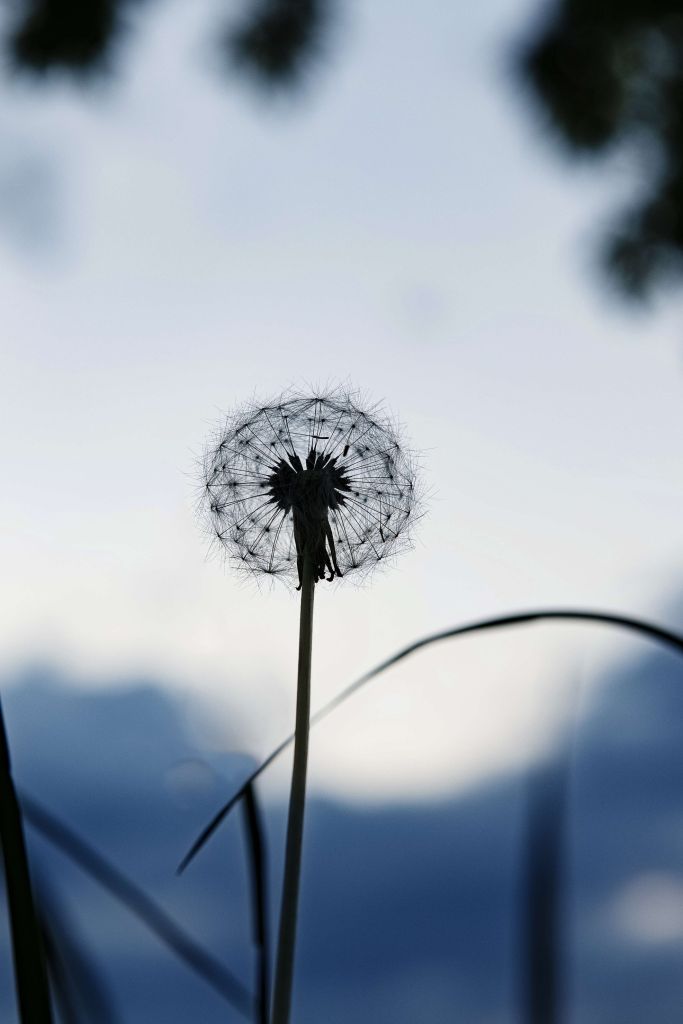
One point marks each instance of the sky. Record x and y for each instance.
(173, 242)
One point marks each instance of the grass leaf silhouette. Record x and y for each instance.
(30, 971)
(139, 903)
(639, 626)
(76, 982)
(256, 858)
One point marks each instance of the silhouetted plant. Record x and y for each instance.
(306, 488)
(304, 472)
(543, 888)
(638, 626)
(30, 971)
(80, 993)
(540, 966)
(204, 964)
(256, 859)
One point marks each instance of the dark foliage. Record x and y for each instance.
(65, 34)
(605, 74)
(609, 75)
(278, 41)
(275, 40)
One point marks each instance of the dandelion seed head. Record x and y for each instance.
(314, 473)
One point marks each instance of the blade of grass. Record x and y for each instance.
(76, 982)
(542, 867)
(139, 903)
(639, 626)
(30, 970)
(259, 900)
(543, 936)
(60, 983)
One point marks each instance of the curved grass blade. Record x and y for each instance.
(76, 982)
(139, 903)
(259, 899)
(60, 983)
(30, 972)
(634, 625)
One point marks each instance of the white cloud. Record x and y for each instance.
(649, 909)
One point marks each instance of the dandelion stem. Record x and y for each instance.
(284, 966)
(27, 948)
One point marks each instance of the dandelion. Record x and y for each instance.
(308, 472)
(306, 488)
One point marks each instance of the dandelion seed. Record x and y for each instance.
(278, 473)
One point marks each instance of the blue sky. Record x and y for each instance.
(171, 243)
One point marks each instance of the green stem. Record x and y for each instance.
(27, 948)
(284, 967)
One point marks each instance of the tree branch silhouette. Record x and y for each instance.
(608, 75)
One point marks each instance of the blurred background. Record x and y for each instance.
(475, 216)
